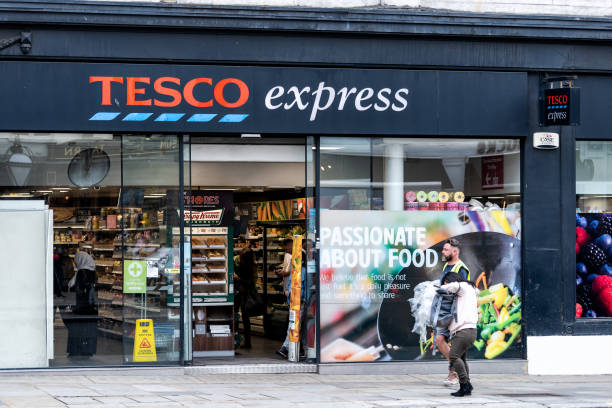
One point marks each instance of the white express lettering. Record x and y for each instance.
(274, 93)
(403, 102)
(324, 98)
(331, 94)
(298, 98)
(363, 95)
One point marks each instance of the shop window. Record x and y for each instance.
(108, 197)
(593, 229)
(388, 208)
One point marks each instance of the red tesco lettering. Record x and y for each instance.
(136, 91)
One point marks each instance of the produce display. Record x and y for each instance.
(593, 265)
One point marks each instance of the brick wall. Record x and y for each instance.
(591, 8)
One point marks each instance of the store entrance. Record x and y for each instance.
(246, 203)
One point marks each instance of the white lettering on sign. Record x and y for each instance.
(212, 215)
(325, 97)
(353, 246)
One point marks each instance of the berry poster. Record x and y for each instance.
(378, 270)
(593, 265)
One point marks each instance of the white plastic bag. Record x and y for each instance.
(420, 306)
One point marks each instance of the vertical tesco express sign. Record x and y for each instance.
(233, 93)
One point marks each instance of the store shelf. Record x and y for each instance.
(120, 229)
(202, 304)
(105, 282)
(76, 226)
(208, 259)
(66, 243)
(152, 309)
(208, 283)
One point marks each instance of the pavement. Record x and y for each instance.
(168, 389)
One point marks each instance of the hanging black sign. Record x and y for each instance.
(561, 107)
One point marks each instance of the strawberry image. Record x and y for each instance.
(578, 310)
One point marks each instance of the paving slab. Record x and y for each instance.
(115, 401)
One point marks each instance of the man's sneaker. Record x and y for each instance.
(452, 380)
(283, 352)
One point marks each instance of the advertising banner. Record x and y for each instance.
(208, 207)
(374, 266)
(282, 210)
(295, 303)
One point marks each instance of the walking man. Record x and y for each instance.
(450, 254)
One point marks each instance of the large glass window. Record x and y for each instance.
(388, 206)
(593, 229)
(115, 267)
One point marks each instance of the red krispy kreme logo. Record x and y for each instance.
(169, 91)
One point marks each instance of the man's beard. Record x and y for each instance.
(445, 258)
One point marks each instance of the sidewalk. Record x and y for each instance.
(159, 389)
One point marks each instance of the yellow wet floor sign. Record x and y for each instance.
(144, 341)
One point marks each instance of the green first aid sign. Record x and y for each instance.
(134, 276)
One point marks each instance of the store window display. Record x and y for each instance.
(114, 262)
(593, 229)
(388, 206)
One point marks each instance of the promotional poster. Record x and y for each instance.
(372, 261)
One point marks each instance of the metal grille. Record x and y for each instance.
(252, 369)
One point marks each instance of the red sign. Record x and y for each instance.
(492, 172)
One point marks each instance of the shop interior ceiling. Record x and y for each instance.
(255, 163)
(251, 164)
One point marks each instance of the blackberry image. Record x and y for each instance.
(593, 257)
(605, 225)
(584, 297)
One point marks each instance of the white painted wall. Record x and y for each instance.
(569, 355)
(593, 8)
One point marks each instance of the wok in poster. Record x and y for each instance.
(371, 262)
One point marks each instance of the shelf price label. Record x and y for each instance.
(134, 276)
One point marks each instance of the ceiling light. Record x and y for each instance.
(331, 147)
(19, 164)
(250, 136)
(15, 195)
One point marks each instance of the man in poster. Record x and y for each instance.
(450, 254)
